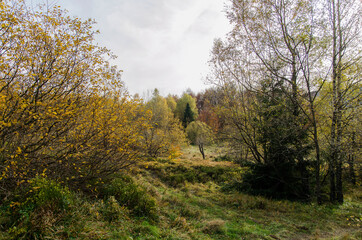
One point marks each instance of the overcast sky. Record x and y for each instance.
(162, 44)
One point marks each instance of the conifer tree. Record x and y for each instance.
(188, 116)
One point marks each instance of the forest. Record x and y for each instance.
(271, 149)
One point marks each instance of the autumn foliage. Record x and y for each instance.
(64, 111)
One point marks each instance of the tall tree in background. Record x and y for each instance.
(188, 117)
(182, 109)
(166, 132)
(171, 102)
(207, 103)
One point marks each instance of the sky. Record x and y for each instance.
(163, 44)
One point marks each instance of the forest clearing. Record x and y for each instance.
(270, 150)
(190, 198)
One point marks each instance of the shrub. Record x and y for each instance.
(278, 182)
(111, 210)
(45, 193)
(130, 195)
(37, 208)
(223, 158)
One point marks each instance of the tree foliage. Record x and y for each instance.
(200, 134)
(166, 134)
(64, 111)
(181, 106)
(207, 103)
(283, 138)
(171, 102)
(291, 43)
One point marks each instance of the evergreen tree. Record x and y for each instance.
(181, 106)
(188, 116)
(283, 138)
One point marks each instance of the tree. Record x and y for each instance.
(292, 42)
(346, 51)
(188, 116)
(181, 106)
(64, 111)
(199, 134)
(171, 102)
(270, 41)
(207, 103)
(166, 132)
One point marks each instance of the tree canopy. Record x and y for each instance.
(200, 134)
(64, 111)
(191, 112)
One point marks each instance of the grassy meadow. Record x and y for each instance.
(182, 198)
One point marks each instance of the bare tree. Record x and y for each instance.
(345, 20)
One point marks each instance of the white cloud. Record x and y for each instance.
(159, 43)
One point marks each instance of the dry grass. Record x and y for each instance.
(215, 226)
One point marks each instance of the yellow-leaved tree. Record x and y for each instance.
(166, 134)
(64, 111)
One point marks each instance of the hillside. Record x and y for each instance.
(194, 200)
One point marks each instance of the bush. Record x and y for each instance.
(223, 158)
(130, 195)
(111, 210)
(278, 182)
(45, 193)
(37, 208)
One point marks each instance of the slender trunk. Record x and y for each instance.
(201, 148)
(334, 150)
(339, 186)
(352, 174)
(332, 186)
(339, 160)
(298, 144)
(317, 151)
(294, 87)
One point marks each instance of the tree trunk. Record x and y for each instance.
(352, 174)
(339, 182)
(339, 186)
(332, 186)
(201, 148)
(317, 151)
(334, 161)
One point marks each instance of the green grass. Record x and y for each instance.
(198, 208)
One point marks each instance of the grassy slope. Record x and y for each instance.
(191, 205)
(202, 211)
